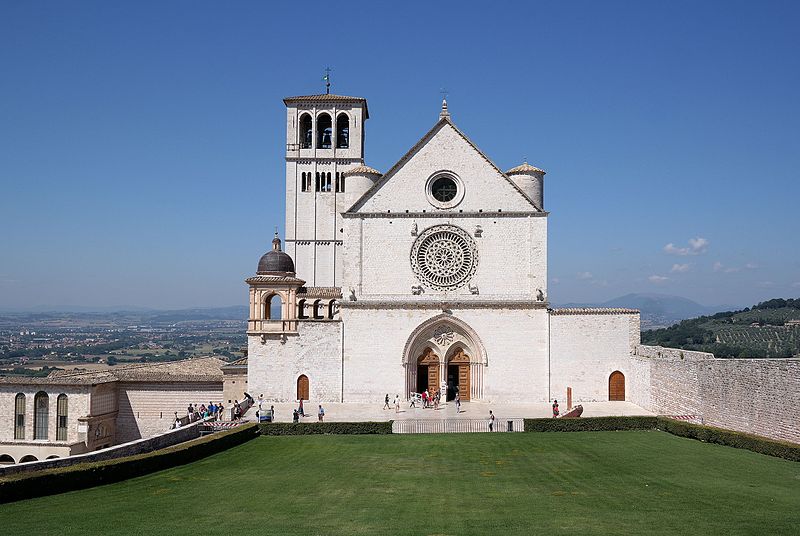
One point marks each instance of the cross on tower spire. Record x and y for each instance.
(327, 79)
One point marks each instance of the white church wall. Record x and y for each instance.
(515, 341)
(512, 256)
(273, 367)
(585, 349)
(484, 187)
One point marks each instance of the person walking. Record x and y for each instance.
(321, 413)
(397, 403)
(295, 417)
(272, 414)
(300, 410)
(555, 409)
(458, 403)
(386, 402)
(491, 421)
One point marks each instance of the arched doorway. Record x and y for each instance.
(302, 387)
(616, 386)
(29, 458)
(458, 345)
(6, 459)
(458, 375)
(427, 371)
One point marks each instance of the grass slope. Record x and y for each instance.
(535, 483)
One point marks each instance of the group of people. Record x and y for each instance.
(299, 412)
(195, 413)
(396, 403)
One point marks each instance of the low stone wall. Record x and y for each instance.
(141, 446)
(757, 396)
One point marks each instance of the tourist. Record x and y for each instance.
(203, 411)
(397, 403)
(436, 401)
(221, 411)
(300, 409)
(272, 414)
(237, 410)
(555, 409)
(425, 399)
(260, 402)
(177, 421)
(458, 403)
(386, 402)
(295, 416)
(491, 421)
(321, 413)
(189, 412)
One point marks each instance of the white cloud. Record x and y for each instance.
(680, 268)
(697, 246)
(717, 266)
(657, 279)
(585, 275)
(751, 266)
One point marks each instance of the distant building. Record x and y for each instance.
(71, 412)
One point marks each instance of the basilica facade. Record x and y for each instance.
(432, 275)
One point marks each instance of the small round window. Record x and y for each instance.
(444, 189)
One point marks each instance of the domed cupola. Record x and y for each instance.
(275, 262)
(530, 180)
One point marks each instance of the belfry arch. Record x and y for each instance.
(449, 352)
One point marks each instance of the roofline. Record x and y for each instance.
(424, 139)
(339, 98)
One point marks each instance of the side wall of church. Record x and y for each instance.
(515, 341)
(315, 351)
(758, 396)
(586, 348)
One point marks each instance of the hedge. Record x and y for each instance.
(314, 428)
(590, 424)
(87, 475)
(730, 438)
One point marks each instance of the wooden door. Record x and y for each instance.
(302, 387)
(430, 359)
(462, 360)
(616, 386)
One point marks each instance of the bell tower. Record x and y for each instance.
(324, 139)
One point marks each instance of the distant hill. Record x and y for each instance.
(769, 329)
(657, 310)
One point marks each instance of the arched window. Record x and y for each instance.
(302, 387)
(61, 417)
(6, 459)
(305, 133)
(616, 386)
(273, 308)
(318, 187)
(328, 182)
(29, 458)
(303, 185)
(342, 131)
(19, 417)
(324, 131)
(53, 457)
(338, 182)
(318, 309)
(301, 308)
(41, 409)
(333, 309)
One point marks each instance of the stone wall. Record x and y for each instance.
(758, 396)
(160, 441)
(586, 346)
(146, 409)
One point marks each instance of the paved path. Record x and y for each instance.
(469, 410)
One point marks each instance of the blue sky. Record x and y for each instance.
(141, 145)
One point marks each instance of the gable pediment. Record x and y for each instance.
(444, 150)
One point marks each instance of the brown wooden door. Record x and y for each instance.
(616, 386)
(430, 359)
(302, 387)
(462, 360)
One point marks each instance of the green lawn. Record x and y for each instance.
(532, 483)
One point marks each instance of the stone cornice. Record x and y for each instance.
(443, 304)
(594, 311)
(445, 214)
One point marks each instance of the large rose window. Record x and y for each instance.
(444, 257)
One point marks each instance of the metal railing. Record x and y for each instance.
(457, 426)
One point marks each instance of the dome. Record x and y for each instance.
(275, 261)
(362, 170)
